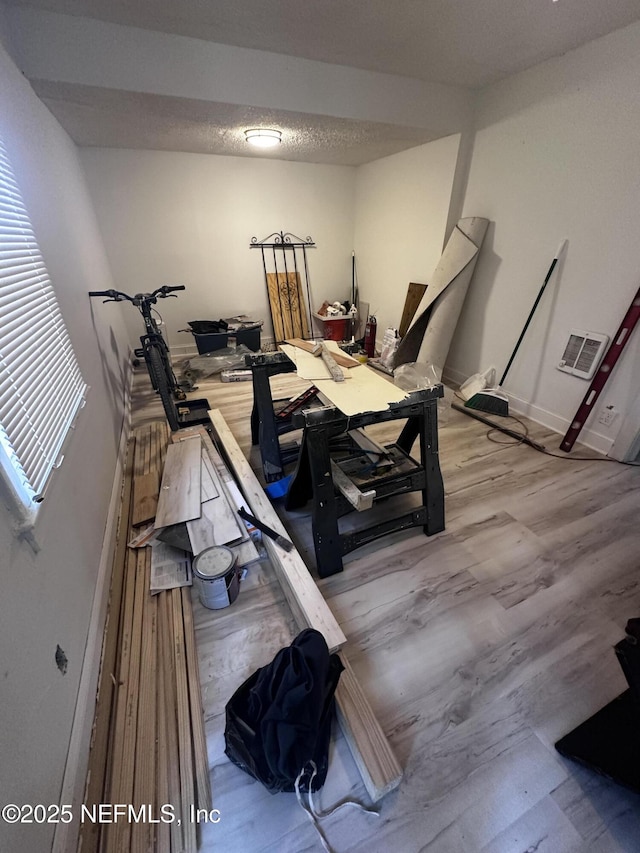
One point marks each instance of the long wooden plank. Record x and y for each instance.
(203, 782)
(171, 718)
(98, 756)
(372, 753)
(305, 599)
(185, 747)
(163, 832)
(145, 776)
(181, 483)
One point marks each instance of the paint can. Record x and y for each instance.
(215, 577)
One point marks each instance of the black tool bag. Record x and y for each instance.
(279, 720)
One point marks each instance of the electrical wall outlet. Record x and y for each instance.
(608, 415)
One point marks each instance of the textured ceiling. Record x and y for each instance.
(114, 119)
(466, 43)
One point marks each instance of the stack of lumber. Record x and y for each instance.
(148, 745)
(198, 489)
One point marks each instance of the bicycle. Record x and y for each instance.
(154, 349)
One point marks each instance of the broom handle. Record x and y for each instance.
(532, 312)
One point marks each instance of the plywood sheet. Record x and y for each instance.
(365, 392)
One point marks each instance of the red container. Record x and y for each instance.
(335, 329)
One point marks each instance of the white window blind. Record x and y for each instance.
(41, 388)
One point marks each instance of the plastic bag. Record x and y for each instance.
(478, 382)
(416, 376)
(390, 344)
(214, 362)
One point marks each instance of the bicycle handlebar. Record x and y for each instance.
(118, 295)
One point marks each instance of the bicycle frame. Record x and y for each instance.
(154, 336)
(154, 348)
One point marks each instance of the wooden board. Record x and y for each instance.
(245, 551)
(415, 292)
(358, 500)
(305, 599)
(372, 753)
(217, 525)
(146, 489)
(203, 782)
(208, 487)
(286, 301)
(185, 754)
(339, 357)
(97, 772)
(181, 483)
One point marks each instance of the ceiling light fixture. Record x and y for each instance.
(263, 138)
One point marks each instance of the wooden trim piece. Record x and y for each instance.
(305, 599)
(97, 774)
(372, 753)
(201, 757)
(145, 777)
(166, 637)
(185, 754)
(359, 500)
(180, 491)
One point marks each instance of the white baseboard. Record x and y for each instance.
(65, 839)
(589, 437)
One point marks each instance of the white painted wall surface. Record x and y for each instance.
(556, 156)
(46, 599)
(402, 203)
(171, 218)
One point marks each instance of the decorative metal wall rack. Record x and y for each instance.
(286, 275)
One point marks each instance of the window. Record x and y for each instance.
(41, 389)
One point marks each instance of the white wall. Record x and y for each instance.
(402, 204)
(170, 218)
(556, 156)
(46, 598)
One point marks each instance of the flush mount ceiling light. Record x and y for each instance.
(263, 138)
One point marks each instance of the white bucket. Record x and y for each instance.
(215, 577)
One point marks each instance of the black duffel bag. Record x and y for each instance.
(279, 721)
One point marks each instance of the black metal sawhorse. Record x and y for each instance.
(265, 427)
(314, 478)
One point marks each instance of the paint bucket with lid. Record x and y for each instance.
(215, 577)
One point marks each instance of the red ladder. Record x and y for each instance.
(604, 371)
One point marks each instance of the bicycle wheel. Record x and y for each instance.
(159, 379)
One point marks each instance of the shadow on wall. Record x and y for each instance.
(115, 380)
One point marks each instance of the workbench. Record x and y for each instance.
(334, 472)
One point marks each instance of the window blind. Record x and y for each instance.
(41, 388)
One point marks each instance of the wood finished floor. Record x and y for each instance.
(478, 648)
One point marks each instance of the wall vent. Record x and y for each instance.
(582, 353)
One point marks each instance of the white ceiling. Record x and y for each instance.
(466, 43)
